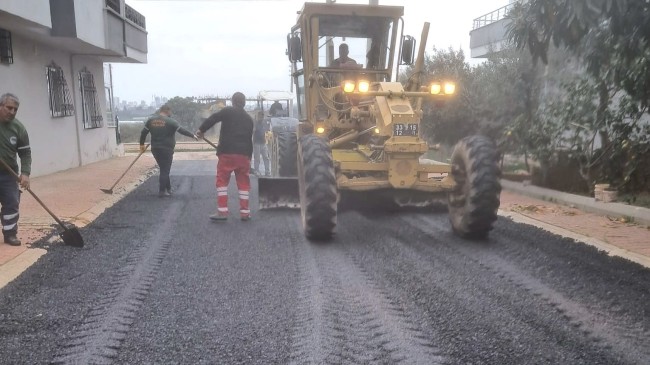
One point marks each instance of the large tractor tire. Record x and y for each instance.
(318, 190)
(287, 160)
(474, 202)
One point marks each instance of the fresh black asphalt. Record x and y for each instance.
(158, 283)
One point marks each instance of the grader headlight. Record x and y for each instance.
(320, 130)
(436, 88)
(377, 130)
(450, 88)
(364, 86)
(348, 86)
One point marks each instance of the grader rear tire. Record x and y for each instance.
(318, 190)
(287, 144)
(473, 204)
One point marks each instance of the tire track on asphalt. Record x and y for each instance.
(628, 340)
(345, 316)
(480, 318)
(596, 319)
(98, 339)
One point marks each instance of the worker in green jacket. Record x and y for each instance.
(13, 140)
(163, 130)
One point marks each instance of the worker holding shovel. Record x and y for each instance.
(13, 140)
(163, 130)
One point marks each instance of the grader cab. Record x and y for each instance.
(360, 129)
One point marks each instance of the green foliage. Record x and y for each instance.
(595, 119)
(186, 112)
(489, 98)
(447, 119)
(611, 36)
(130, 132)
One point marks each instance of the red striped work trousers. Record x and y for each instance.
(240, 165)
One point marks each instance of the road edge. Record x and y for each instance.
(610, 249)
(16, 266)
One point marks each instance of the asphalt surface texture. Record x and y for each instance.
(159, 283)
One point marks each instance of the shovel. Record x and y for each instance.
(70, 234)
(110, 191)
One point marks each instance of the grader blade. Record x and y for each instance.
(278, 192)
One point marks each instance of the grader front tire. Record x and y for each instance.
(473, 204)
(318, 190)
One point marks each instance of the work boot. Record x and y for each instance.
(218, 217)
(164, 194)
(12, 241)
(169, 191)
(246, 217)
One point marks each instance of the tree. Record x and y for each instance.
(611, 36)
(492, 99)
(451, 120)
(186, 111)
(506, 98)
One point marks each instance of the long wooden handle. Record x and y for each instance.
(47, 209)
(129, 168)
(210, 143)
(4, 164)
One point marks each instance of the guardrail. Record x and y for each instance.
(132, 15)
(114, 5)
(180, 147)
(492, 17)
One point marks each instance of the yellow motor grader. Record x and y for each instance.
(360, 129)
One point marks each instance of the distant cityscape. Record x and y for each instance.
(155, 102)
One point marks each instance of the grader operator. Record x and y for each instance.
(360, 129)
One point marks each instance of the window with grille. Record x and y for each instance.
(57, 87)
(92, 114)
(6, 49)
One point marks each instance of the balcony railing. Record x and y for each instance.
(492, 17)
(114, 5)
(137, 18)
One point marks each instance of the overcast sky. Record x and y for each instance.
(217, 47)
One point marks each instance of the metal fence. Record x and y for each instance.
(132, 15)
(492, 17)
(114, 5)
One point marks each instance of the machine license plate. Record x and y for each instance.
(401, 129)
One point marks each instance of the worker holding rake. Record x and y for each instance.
(235, 149)
(163, 130)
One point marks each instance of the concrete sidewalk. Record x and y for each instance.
(632, 213)
(74, 196)
(619, 229)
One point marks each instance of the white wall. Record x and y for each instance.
(89, 15)
(37, 11)
(54, 140)
(98, 143)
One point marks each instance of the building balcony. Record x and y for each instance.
(126, 31)
(489, 32)
(108, 29)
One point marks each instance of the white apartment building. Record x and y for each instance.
(52, 55)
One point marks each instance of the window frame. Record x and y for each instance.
(91, 108)
(59, 95)
(6, 47)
